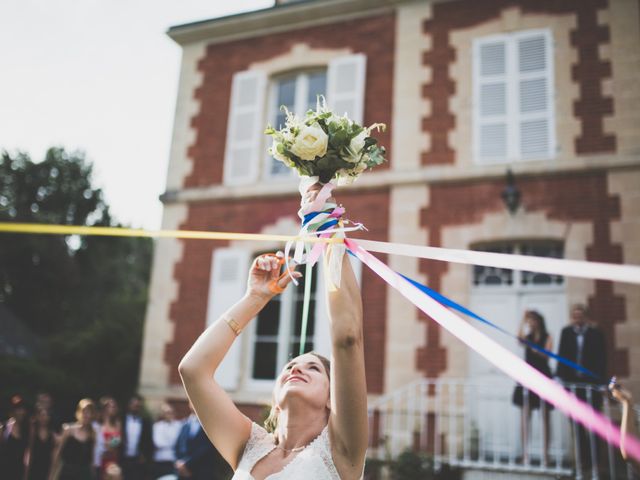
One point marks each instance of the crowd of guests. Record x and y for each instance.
(104, 444)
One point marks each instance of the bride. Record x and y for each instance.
(318, 426)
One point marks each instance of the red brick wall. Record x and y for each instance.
(375, 37)
(580, 197)
(589, 71)
(189, 310)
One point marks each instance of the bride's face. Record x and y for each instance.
(304, 376)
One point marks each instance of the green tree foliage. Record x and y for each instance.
(85, 296)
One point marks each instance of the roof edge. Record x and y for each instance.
(279, 18)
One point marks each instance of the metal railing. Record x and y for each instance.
(477, 426)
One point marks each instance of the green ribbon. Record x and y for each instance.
(308, 270)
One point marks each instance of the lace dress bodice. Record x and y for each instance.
(312, 463)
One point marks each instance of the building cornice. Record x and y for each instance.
(281, 18)
(428, 176)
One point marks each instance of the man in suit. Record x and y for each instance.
(137, 441)
(583, 343)
(197, 459)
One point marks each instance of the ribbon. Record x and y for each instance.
(48, 229)
(498, 355)
(552, 266)
(447, 302)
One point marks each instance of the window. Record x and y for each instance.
(256, 99)
(278, 328)
(493, 277)
(513, 97)
(298, 92)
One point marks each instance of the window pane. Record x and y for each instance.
(542, 249)
(492, 276)
(269, 319)
(311, 320)
(287, 92)
(264, 360)
(295, 348)
(317, 86)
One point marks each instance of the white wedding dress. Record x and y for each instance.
(312, 463)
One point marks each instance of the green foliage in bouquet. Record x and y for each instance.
(326, 145)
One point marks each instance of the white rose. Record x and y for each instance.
(311, 142)
(356, 146)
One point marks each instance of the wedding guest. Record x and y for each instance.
(15, 439)
(41, 444)
(318, 426)
(110, 436)
(44, 400)
(73, 457)
(197, 459)
(583, 343)
(137, 442)
(526, 399)
(165, 436)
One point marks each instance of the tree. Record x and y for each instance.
(84, 295)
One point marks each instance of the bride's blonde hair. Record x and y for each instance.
(271, 423)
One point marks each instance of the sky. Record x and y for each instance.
(99, 76)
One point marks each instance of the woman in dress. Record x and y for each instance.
(318, 426)
(526, 399)
(15, 439)
(73, 457)
(41, 445)
(110, 436)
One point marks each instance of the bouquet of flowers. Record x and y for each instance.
(326, 145)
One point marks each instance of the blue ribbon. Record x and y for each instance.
(310, 216)
(447, 302)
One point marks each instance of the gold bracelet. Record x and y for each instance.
(233, 325)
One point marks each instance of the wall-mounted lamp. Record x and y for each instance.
(511, 195)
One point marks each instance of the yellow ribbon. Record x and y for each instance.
(47, 229)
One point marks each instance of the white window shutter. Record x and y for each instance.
(346, 86)
(513, 97)
(245, 128)
(322, 334)
(491, 101)
(535, 86)
(227, 285)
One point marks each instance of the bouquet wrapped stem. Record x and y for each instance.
(326, 150)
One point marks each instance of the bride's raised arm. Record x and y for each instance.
(227, 427)
(348, 422)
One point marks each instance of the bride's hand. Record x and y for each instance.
(264, 276)
(312, 193)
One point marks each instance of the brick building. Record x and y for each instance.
(468, 89)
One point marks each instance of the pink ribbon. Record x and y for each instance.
(502, 358)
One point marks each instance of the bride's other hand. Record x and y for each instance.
(312, 193)
(265, 273)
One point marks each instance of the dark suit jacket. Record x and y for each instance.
(594, 355)
(200, 456)
(145, 444)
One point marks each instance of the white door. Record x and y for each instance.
(502, 297)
